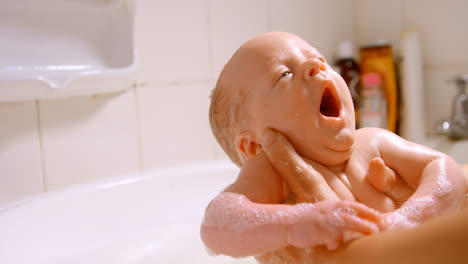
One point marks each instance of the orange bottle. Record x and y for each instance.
(379, 59)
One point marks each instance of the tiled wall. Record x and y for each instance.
(442, 26)
(163, 119)
(182, 45)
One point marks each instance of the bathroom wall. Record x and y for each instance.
(162, 120)
(442, 26)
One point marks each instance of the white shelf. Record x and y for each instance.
(59, 48)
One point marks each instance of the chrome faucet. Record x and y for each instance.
(459, 121)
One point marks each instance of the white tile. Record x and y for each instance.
(321, 23)
(172, 40)
(233, 22)
(87, 138)
(219, 152)
(443, 25)
(439, 93)
(20, 155)
(378, 21)
(175, 126)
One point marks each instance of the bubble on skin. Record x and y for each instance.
(396, 220)
(299, 169)
(221, 210)
(336, 219)
(232, 211)
(235, 212)
(414, 212)
(443, 187)
(287, 255)
(315, 198)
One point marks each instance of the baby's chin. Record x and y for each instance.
(338, 148)
(342, 141)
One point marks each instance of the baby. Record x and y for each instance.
(308, 178)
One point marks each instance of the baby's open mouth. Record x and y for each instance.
(329, 106)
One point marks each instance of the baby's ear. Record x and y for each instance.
(247, 145)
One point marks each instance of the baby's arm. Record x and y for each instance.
(436, 178)
(248, 219)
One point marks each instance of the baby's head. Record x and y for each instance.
(277, 80)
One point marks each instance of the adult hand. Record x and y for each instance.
(307, 184)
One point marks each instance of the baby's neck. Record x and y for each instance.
(338, 168)
(333, 168)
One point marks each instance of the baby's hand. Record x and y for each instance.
(387, 181)
(331, 223)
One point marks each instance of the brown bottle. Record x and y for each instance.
(348, 68)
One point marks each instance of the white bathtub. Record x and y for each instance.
(149, 218)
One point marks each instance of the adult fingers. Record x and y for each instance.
(306, 183)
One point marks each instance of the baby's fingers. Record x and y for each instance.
(354, 223)
(356, 217)
(360, 210)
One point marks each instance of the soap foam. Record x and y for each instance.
(443, 187)
(336, 219)
(299, 169)
(411, 213)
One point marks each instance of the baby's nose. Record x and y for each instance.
(313, 67)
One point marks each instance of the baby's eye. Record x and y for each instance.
(285, 74)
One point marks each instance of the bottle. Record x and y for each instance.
(379, 59)
(348, 68)
(373, 106)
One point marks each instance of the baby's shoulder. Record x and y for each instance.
(371, 141)
(374, 135)
(371, 131)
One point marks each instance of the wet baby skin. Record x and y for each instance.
(308, 178)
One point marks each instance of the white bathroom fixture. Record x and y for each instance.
(59, 48)
(152, 217)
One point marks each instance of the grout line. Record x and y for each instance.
(138, 128)
(41, 146)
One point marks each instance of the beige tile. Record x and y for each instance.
(443, 25)
(20, 155)
(175, 127)
(378, 21)
(321, 23)
(172, 40)
(232, 22)
(87, 138)
(439, 93)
